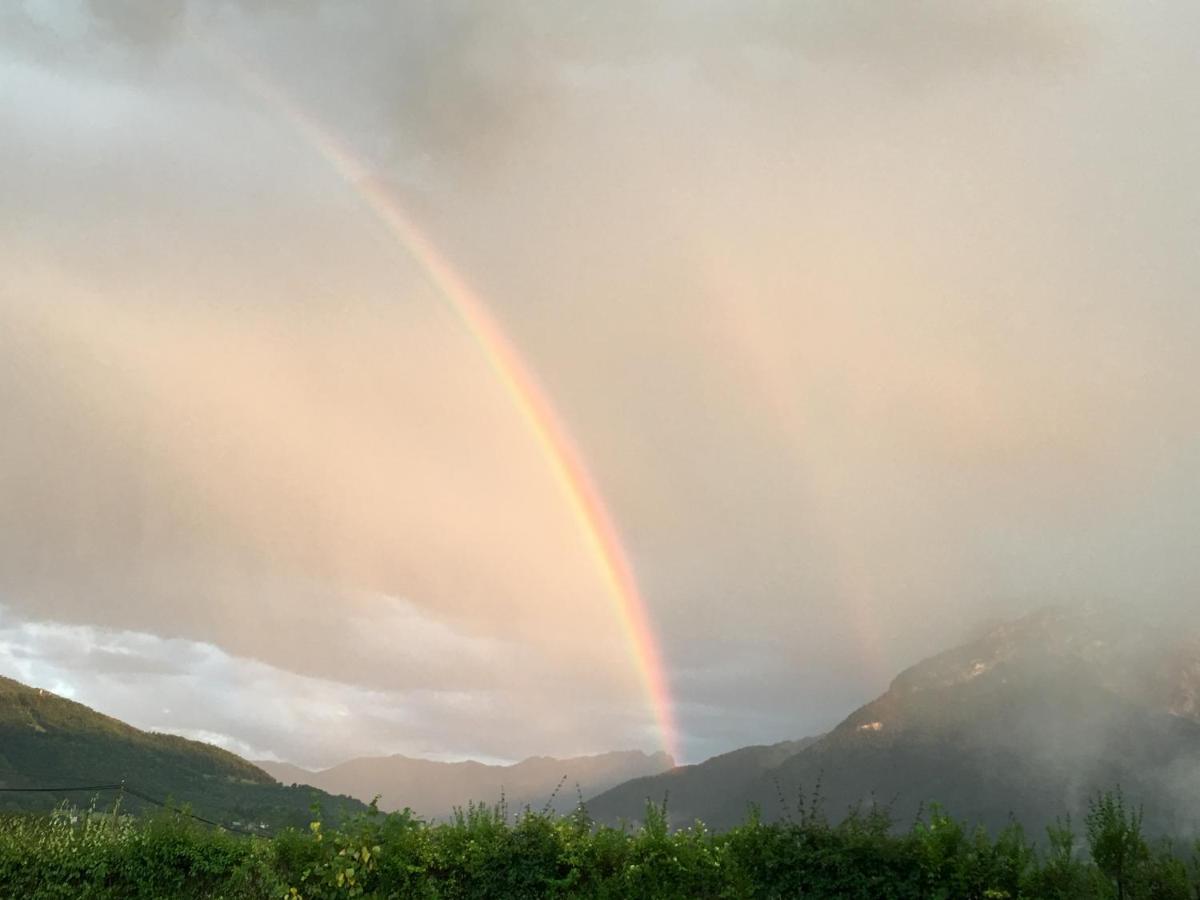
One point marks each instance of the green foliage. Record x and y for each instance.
(113, 855)
(1062, 874)
(1118, 848)
(485, 851)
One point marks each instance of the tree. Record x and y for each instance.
(1115, 838)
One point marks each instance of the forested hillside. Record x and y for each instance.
(47, 741)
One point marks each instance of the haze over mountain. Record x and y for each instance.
(47, 741)
(433, 789)
(1029, 719)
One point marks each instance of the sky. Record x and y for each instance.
(870, 322)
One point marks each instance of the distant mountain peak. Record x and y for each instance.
(432, 788)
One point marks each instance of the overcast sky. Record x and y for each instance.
(873, 321)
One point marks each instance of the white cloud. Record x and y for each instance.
(199, 691)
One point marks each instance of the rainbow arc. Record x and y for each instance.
(575, 483)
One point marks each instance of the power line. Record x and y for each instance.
(60, 790)
(123, 788)
(164, 805)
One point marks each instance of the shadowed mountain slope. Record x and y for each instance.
(1029, 719)
(692, 792)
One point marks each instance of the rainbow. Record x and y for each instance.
(756, 341)
(565, 462)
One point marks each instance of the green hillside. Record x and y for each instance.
(48, 741)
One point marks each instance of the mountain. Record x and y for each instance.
(1029, 719)
(434, 789)
(47, 741)
(285, 772)
(691, 791)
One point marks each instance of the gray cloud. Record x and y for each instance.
(872, 320)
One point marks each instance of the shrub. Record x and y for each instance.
(483, 851)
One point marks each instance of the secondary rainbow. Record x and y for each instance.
(561, 455)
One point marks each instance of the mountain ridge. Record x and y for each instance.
(433, 789)
(1027, 720)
